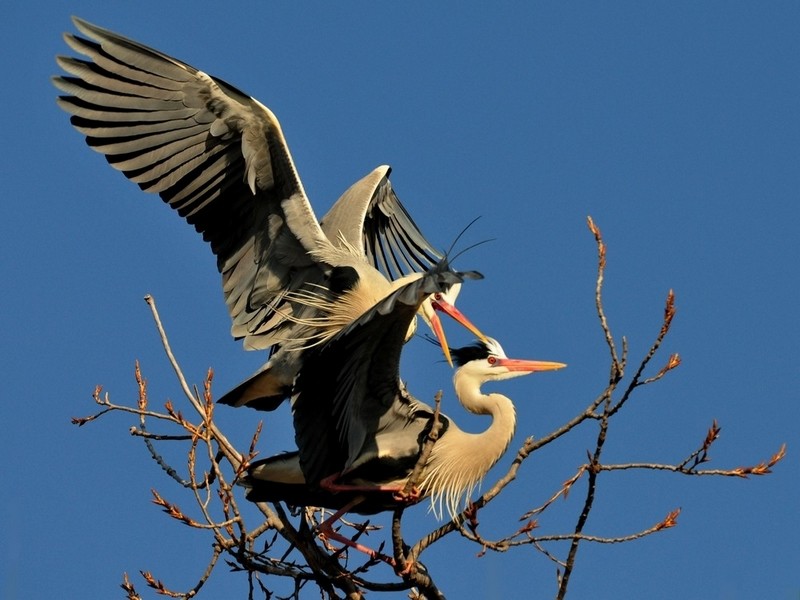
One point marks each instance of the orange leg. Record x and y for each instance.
(330, 484)
(325, 530)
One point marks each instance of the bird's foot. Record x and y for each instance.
(407, 497)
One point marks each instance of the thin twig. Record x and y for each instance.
(617, 366)
(405, 565)
(230, 452)
(616, 374)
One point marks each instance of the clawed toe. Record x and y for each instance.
(411, 497)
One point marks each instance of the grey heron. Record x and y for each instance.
(360, 433)
(219, 158)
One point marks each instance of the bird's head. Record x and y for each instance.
(486, 361)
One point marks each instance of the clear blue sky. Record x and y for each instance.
(675, 125)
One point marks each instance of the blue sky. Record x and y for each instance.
(676, 126)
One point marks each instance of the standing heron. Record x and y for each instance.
(360, 434)
(219, 158)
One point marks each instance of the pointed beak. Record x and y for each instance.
(436, 325)
(440, 303)
(528, 366)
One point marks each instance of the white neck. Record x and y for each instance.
(460, 460)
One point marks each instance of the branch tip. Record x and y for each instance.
(669, 521)
(172, 510)
(669, 313)
(593, 228)
(130, 591)
(762, 468)
(158, 585)
(778, 456)
(712, 435)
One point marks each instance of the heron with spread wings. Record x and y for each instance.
(219, 158)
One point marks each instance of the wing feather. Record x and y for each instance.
(214, 154)
(348, 396)
(370, 217)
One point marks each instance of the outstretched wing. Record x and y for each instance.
(370, 217)
(349, 407)
(214, 154)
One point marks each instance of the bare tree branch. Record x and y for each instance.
(280, 545)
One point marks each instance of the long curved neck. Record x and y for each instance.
(495, 439)
(460, 460)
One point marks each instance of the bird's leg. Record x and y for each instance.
(398, 492)
(325, 530)
(337, 537)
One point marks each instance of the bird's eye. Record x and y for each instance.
(492, 360)
(437, 296)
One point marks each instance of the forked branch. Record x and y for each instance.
(282, 545)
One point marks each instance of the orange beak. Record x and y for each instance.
(528, 366)
(439, 303)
